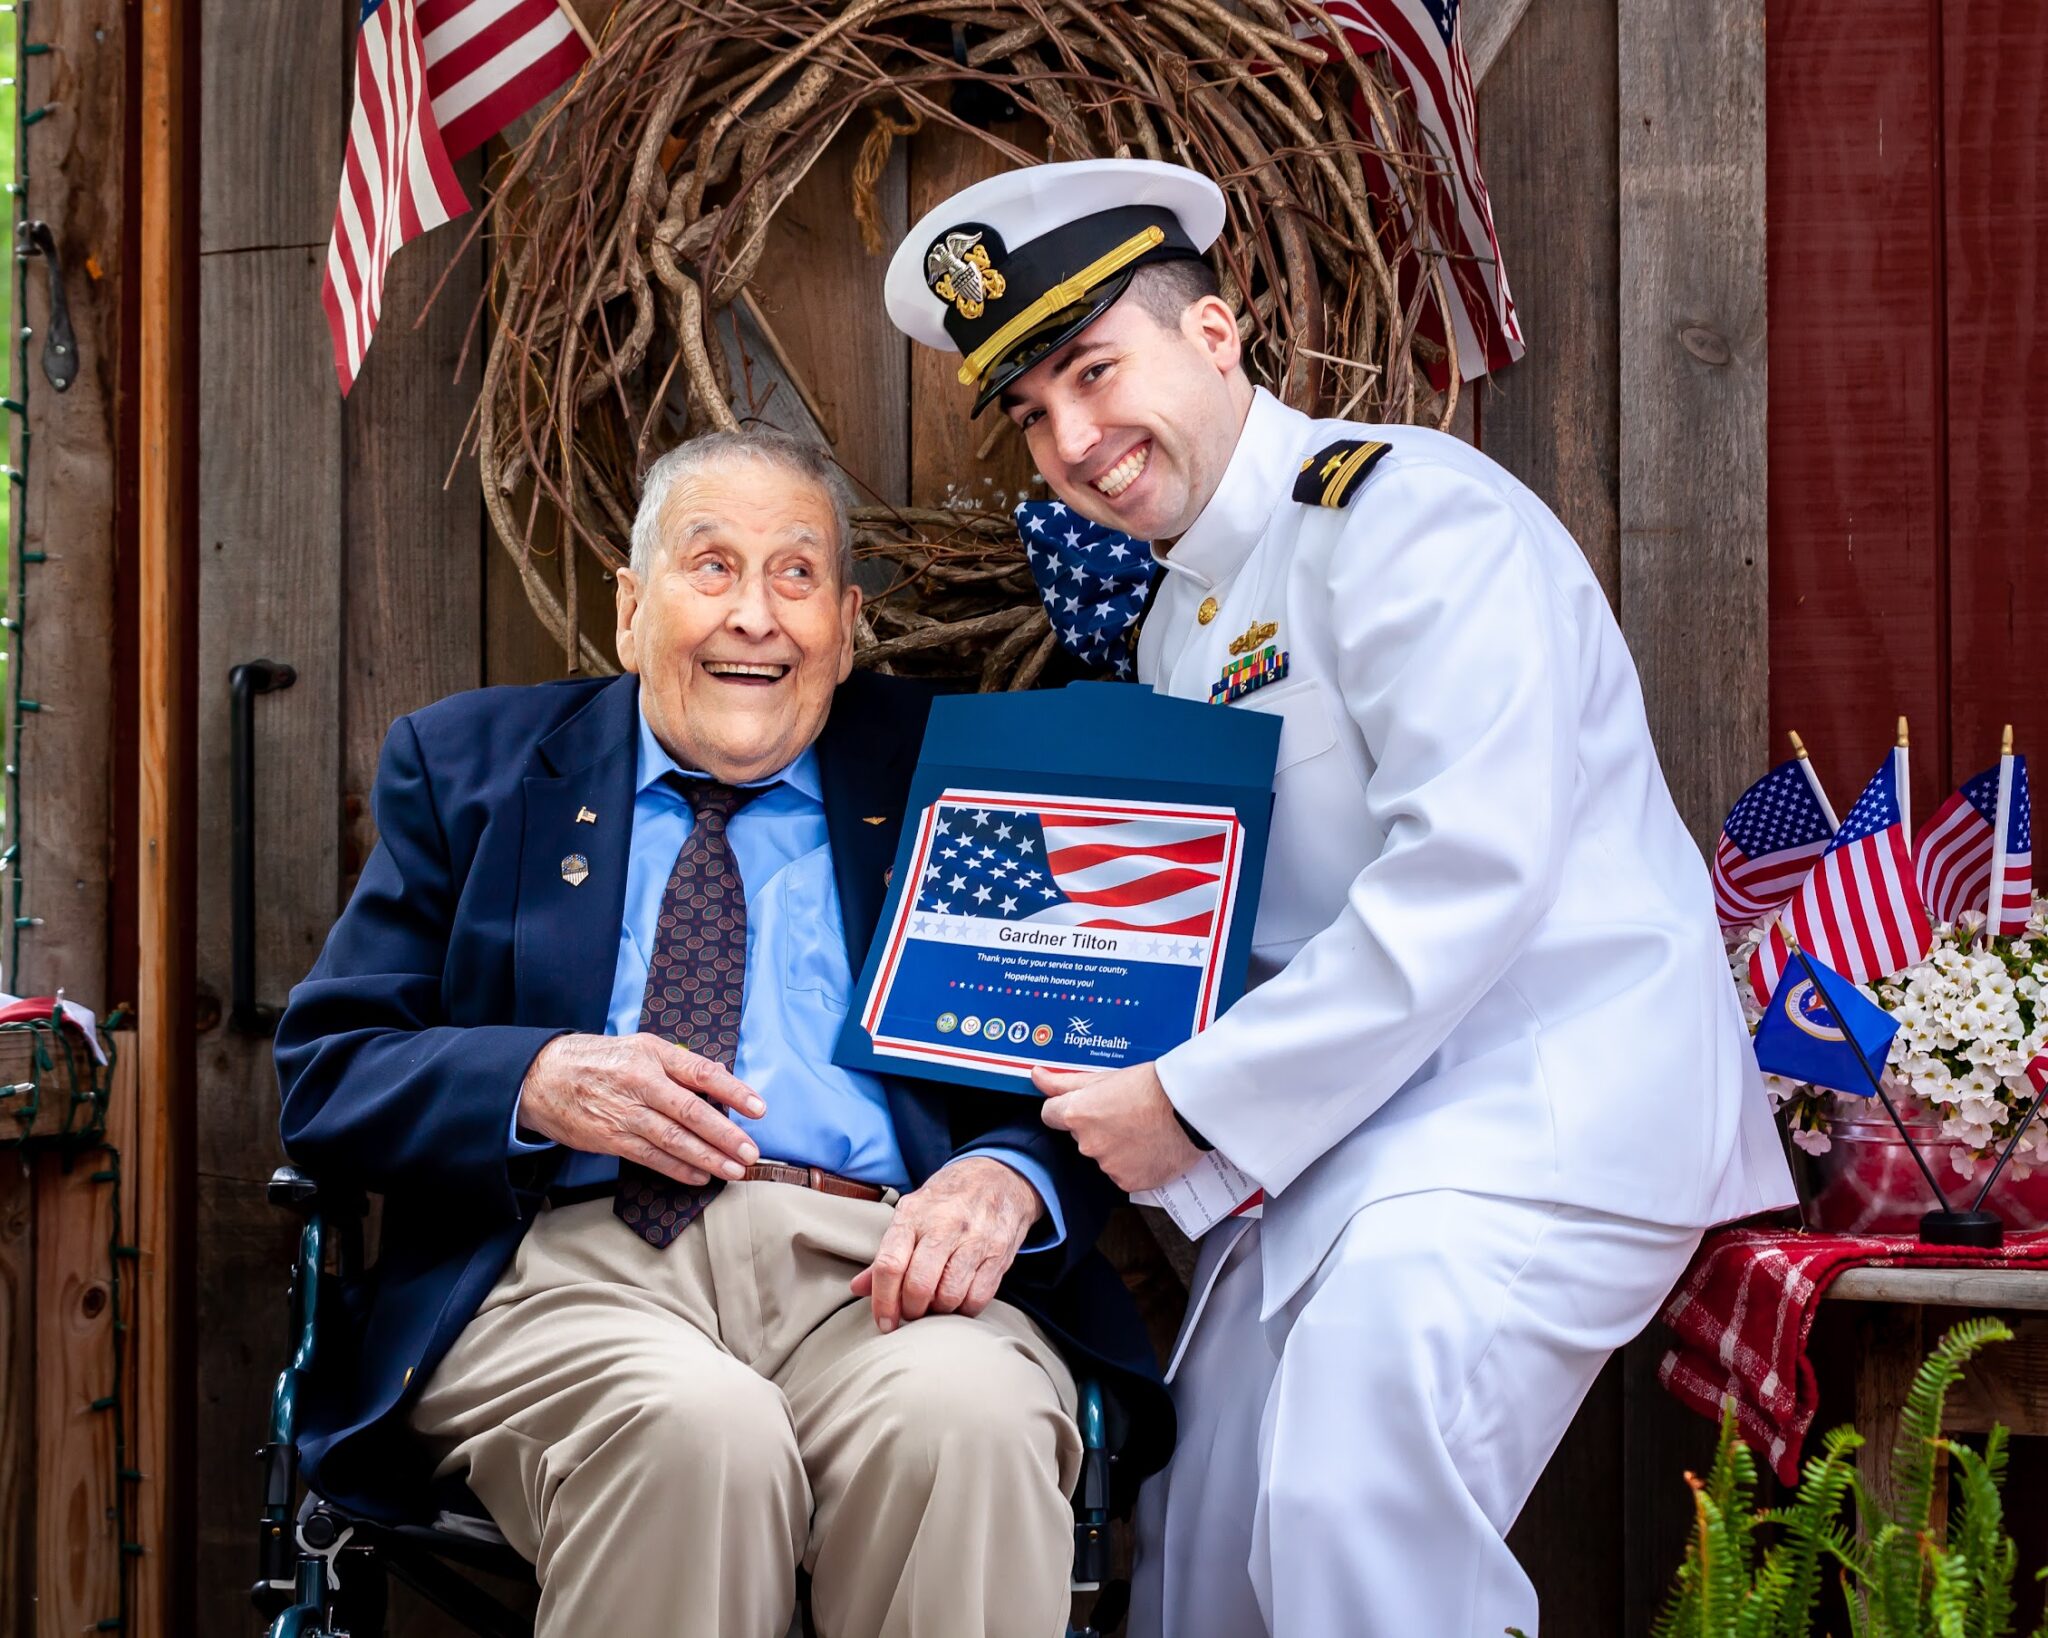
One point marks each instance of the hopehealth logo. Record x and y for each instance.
(1081, 1033)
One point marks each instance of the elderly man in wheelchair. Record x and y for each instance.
(697, 1317)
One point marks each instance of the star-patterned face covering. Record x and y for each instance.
(1094, 581)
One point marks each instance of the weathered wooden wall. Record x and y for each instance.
(328, 542)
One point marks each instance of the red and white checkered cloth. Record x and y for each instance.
(1745, 1309)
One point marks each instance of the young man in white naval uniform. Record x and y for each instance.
(1491, 1073)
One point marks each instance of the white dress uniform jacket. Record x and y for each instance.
(1486, 957)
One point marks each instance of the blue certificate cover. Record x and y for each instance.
(1076, 885)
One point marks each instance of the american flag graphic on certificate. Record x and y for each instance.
(1080, 933)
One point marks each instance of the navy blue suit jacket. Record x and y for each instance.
(462, 952)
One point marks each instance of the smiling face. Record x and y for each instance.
(741, 626)
(1133, 421)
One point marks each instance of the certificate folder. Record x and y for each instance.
(1076, 885)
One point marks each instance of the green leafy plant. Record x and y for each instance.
(1905, 1573)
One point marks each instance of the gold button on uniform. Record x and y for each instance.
(1207, 611)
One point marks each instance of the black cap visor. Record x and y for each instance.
(1035, 348)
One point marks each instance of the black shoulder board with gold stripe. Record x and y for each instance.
(1331, 476)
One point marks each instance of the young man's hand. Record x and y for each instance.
(1121, 1120)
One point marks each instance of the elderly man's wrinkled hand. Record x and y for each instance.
(950, 1244)
(643, 1099)
(1120, 1119)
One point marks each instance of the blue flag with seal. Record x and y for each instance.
(1821, 1028)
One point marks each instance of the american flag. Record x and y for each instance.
(1859, 909)
(434, 78)
(1769, 841)
(1427, 54)
(1961, 869)
(1153, 875)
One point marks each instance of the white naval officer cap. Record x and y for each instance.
(1008, 269)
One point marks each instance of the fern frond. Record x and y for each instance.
(1949, 1593)
(1813, 1530)
(1913, 1465)
(1977, 1538)
(1763, 1610)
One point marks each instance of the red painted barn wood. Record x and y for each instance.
(1994, 61)
(1858, 529)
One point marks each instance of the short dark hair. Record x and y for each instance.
(1166, 290)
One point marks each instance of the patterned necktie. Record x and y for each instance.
(696, 981)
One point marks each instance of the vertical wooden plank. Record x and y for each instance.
(272, 505)
(1857, 512)
(516, 647)
(74, 159)
(1548, 141)
(166, 608)
(1567, 1533)
(17, 1395)
(143, 1396)
(414, 587)
(1693, 562)
(1994, 66)
(829, 316)
(78, 1543)
(270, 587)
(946, 467)
(1693, 388)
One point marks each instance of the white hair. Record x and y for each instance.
(765, 447)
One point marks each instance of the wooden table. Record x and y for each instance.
(2007, 1382)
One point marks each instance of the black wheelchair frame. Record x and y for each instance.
(324, 1571)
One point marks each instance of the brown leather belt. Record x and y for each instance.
(762, 1171)
(811, 1177)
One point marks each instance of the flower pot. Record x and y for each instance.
(1867, 1182)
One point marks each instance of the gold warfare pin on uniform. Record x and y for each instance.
(575, 869)
(1256, 660)
(586, 816)
(1257, 633)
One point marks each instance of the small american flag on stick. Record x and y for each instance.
(1859, 909)
(1976, 853)
(434, 79)
(1772, 836)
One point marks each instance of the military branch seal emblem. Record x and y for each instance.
(957, 268)
(1331, 476)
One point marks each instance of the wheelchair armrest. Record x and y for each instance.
(305, 1194)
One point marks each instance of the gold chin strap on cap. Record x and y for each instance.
(1063, 294)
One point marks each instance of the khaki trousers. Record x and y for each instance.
(667, 1435)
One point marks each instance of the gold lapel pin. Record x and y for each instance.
(1207, 611)
(586, 816)
(575, 868)
(876, 819)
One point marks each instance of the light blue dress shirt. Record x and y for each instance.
(797, 987)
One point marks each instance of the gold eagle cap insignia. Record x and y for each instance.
(958, 270)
